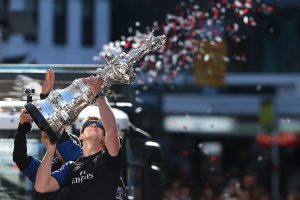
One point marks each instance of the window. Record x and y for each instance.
(88, 16)
(3, 21)
(60, 21)
(32, 8)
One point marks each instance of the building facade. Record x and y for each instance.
(65, 32)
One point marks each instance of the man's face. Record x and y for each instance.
(93, 130)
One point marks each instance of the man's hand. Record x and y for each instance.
(48, 82)
(94, 83)
(45, 140)
(25, 117)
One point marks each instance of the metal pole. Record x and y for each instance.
(275, 154)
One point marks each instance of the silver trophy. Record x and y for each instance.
(62, 107)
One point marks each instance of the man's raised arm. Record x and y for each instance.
(44, 181)
(107, 116)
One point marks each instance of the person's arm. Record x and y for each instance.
(48, 83)
(44, 181)
(32, 165)
(68, 148)
(108, 119)
(107, 116)
(20, 155)
(31, 169)
(28, 165)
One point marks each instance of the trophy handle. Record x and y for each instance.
(42, 123)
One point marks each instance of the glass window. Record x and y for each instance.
(60, 21)
(88, 16)
(32, 8)
(3, 21)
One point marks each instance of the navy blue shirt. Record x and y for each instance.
(93, 177)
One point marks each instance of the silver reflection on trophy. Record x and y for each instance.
(119, 65)
(62, 107)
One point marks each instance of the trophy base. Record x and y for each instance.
(41, 122)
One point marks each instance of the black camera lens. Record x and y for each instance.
(29, 91)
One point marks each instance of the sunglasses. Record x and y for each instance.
(91, 123)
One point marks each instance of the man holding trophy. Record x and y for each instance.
(97, 173)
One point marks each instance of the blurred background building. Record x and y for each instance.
(232, 118)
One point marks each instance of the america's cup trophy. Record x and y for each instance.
(62, 107)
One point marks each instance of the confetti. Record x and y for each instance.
(188, 28)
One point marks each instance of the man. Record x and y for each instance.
(97, 173)
(69, 147)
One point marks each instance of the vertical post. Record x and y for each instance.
(268, 121)
(275, 167)
(152, 180)
(275, 155)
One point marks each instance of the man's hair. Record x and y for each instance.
(90, 118)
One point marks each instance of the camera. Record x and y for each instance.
(29, 91)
